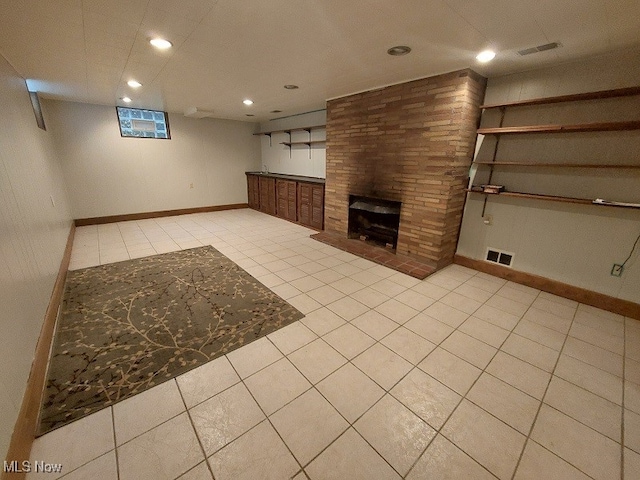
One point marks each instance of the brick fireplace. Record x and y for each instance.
(410, 143)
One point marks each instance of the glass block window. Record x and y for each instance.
(137, 122)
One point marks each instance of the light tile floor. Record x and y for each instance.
(462, 375)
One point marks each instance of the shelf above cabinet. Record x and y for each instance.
(307, 143)
(560, 165)
(554, 198)
(619, 92)
(289, 130)
(582, 127)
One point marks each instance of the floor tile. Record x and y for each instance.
(199, 472)
(512, 292)
(490, 442)
(539, 334)
(590, 378)
(444, 461)
(632, 430)
(468, 348)
(370, 297)
(350, 457)
(507, 305)
(631, 465)
(308, 425)
(317, 360)
(486, 282)
(484, 331)
(206, 380)
(382, 365)
(538, 462)
(595, 356)
(322, 321)
(348, 340)
(632, 396)
(304, 303)
(586, 449)
(432, 401)
(452, 371)
(531, 352)
(146, 410)
(276, 385)
(414, 300)
(347, 308)
(513, 407)
(554, 307)
(408, 345)
(259, 453)
(396, 311)
(388, 287)
(327, 275)
(548, 320)
(395, 432)
(597, 337)
(286, 290)
(497, 317)
(292, 337)
(456, 300)
(427, 327)
(519, 374)
(347, 285)
(631, 370)
(430, 290)
(350, 391)
(83, 440)
(374, 324)
(474, 293)
(446, 314)
(104, 468)
(165, 452)
(594, 411)
(223, 418)
(307, 283)
(254, 356)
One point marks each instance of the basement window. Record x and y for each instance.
(141, 123)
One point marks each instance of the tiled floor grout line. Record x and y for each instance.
(115, 441)
(624, 381)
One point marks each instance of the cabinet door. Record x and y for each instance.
(304, 203)
(268, 195)
(253, 186)
(282, 198)
(292, 202)
(317, 207)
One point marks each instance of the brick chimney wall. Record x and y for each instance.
(411, 143)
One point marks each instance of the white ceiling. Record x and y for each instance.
(228, 50)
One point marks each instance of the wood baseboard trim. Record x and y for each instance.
(582, 295)
(24, 431)
(81, 222)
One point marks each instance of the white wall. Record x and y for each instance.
(575, 244)
(33, 235)
(110, 175)
(298, 160)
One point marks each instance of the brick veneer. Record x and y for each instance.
(412, 143)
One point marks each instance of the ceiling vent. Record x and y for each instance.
(195, 112)
(539, 48)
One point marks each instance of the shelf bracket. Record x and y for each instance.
(493, 159)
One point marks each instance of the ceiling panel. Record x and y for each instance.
(226, 50)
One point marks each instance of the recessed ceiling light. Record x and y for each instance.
(399, 50)
(276, 111)
(291, 87)
(247, 102)
(126, 99)
(161, 43)
(485, 56)
(134, 83)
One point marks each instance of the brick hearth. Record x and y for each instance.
(411, 143)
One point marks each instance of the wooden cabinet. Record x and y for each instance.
(286, 195)
(293, 198)
(311, 205)
(253, 187)
(267, 195)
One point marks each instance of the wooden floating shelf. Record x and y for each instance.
(289, 130)
(551, 198)
(559, 165)
(620, 92)
(583, 127)
(308, 144)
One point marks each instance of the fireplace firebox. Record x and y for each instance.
(374, 220)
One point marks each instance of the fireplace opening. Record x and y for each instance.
(374, 220)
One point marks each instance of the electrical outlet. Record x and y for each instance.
(616, 271)
(488, 220)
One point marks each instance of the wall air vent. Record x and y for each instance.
(539, 48)
(497, 256)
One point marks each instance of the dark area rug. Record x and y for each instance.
(127, 326)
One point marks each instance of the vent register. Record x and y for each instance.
(498, 256)
(539, 48)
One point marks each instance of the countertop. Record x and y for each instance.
(297, 178)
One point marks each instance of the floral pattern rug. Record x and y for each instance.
(127, 326)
